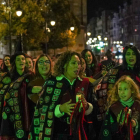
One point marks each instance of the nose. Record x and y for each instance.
(44, 63)
(122, 92)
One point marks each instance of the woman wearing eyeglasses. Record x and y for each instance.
(42, 71)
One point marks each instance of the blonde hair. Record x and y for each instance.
(113, 93)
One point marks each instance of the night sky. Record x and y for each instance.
(94, 5)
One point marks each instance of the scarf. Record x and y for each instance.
(127, 103)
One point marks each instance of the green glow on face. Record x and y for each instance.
(130, 57)
(124, 91)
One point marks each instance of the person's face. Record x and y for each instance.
(7, 61)
(130, 57)
(20, 62)
(29, 64)
(44, 65)
(71, 70)
(83, 65)
(124, 91)
(88, 57)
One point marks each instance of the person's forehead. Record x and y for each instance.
(123, 83)
(43, 58)
(29, 59)
(129, 50)
(20, 56)
(88, 53)
(75, 57)
(6, 57)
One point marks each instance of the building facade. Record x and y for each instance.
(121, 28)
(79, 8)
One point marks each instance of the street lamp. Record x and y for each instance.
(117, 42)
(8, 5)
(105, 38)
(52, 22)
(95, 38)
(88, 33)
(19, 11)
(120, 42)
(3, 2)
(72, 28)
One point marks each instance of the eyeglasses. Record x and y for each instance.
(6, 59)
(41, 62)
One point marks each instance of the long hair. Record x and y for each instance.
(62, 60)
(113, 93)
(94, 59)
(37, 74)
(136, 66)
(4, 67)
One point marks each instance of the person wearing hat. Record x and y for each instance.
(17, 113)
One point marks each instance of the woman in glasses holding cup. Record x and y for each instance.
(43, 70)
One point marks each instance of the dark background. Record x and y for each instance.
(95, 5)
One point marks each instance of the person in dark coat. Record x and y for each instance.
(61, 102)
(16, 114)
(130, 67)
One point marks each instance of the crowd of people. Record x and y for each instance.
(74, 98)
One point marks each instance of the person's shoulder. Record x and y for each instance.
(53, 78)
(84, 79)
(137, 101)
(116, 68)
(115, 105)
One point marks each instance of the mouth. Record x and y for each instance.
(123, 96)
(131, 60)
(89, 60)
(44, 69)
